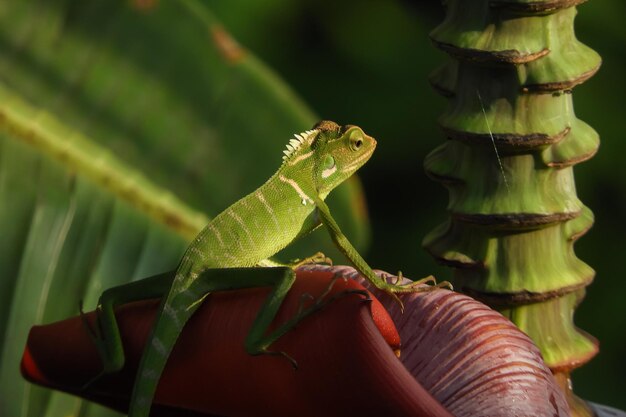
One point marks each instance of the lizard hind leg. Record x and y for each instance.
(105, 333)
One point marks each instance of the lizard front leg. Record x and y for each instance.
(361, 265)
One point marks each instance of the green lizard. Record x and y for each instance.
(230, 253)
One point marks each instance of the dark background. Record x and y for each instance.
(367, 62)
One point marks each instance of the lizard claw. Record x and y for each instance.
(94, 335)
(397, 299)
(415, 286)
(429, 279)
(280, 353)
(398, 279)
(395, 287)
(318, 258)
(86, 323)
(303, 298)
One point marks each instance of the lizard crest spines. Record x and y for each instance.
(297, 141)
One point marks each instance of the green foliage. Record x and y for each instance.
(120, 124)
(355, 61)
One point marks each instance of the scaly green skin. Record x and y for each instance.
(230, 251)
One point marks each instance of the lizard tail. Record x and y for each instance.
(174, 314)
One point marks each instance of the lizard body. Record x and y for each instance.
(228, 253)
(252, 229)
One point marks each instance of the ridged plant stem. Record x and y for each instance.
(513, 139)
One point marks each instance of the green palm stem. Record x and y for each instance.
(508, 167)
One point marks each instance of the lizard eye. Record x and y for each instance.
(356, 141)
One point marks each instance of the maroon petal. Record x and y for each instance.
(344, 353)
(469, 357)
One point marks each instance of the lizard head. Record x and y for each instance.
(339, 152)
(331, 153)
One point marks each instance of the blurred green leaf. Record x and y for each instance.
(337, 56)
(120, 124)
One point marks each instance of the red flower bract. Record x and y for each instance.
(472, 360)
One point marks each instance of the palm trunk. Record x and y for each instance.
(508, 167)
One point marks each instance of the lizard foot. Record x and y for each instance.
(323, 300)
(95, 336)
(415, 286)
(392, 289)
(429, 279)
(109, 362)
(260, 347)
(318, 258)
